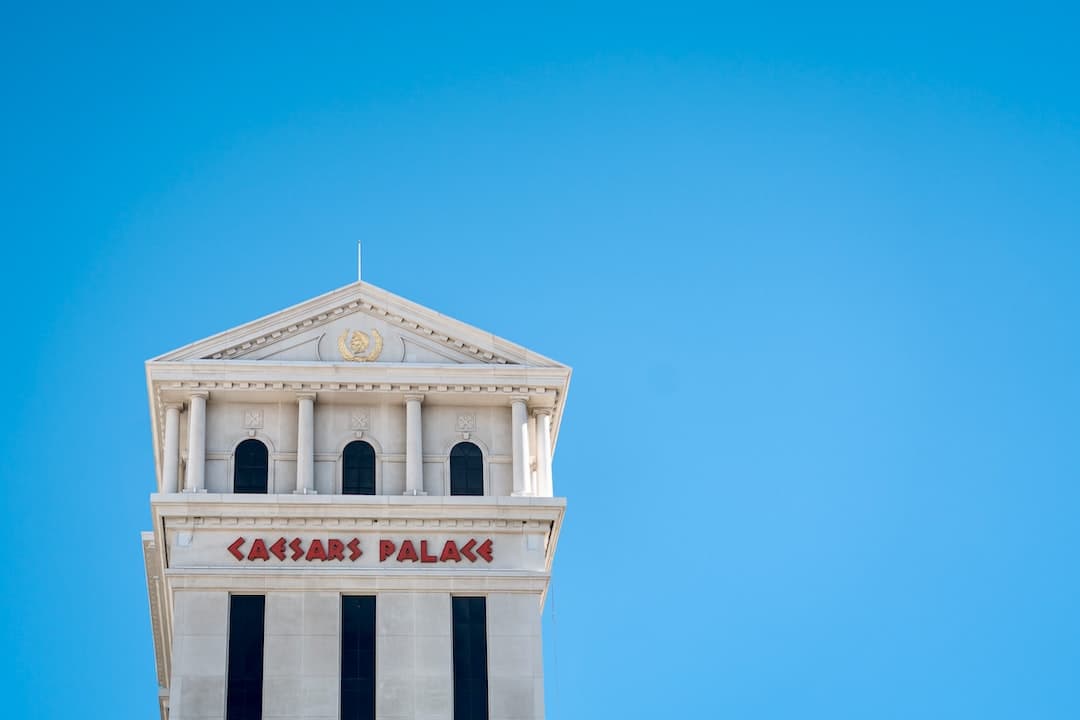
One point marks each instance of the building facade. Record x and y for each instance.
(354, 517)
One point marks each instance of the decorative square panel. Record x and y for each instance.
(466, 422)
(253, 419)
(359, 420)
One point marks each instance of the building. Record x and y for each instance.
(354, 516)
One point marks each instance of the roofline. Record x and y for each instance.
(304, 310)
(155, 430)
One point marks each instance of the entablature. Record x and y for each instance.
(357, 510)
(366, 515)
(173, 382)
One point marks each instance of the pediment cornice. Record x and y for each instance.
(324, 318)
(461, 339)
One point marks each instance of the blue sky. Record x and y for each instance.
(816, 271)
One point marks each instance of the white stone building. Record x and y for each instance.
(354, 516)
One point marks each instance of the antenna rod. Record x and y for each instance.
(359, 264)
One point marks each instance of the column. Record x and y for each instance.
(196, 465)
(305, 444)
(414, 447)
(170, 458)
(543, 452)
(519, 429)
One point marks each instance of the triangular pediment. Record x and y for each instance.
(359, 323)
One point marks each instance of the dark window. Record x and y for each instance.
(466, 470)
(252, 466)
(358, 469)
(244, 697)
(470, 658)
(358, 657)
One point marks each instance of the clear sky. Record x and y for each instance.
(816, 268)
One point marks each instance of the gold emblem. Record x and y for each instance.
(356, 347)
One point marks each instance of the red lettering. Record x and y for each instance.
(278, 548)
(297, 546)
(335, 550)
(316, 551)
(258, 550)
(407, 552)
(235, 548)
(354, 549)
(466, 550)
(450, 552)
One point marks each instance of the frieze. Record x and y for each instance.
(180, 522)
(351, 387)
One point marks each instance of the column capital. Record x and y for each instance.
(519, 398)
(418, 397)
(199, 394)
(306, 396)
(178, 406)
(537, 411)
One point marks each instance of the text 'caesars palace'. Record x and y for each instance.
(354, 517)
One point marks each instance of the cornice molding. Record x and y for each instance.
(352, 373)
(411, 317)
(343, 310)
(357, 510)
(354, 524)
(154, 588)
(201, 388)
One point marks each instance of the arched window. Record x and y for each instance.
(251, 467)
(466, 470)
(358, 469)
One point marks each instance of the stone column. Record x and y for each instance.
(543, 452)
(170, 457)
(196, 465)
(519, 435)
(414, 447)
(305, 444)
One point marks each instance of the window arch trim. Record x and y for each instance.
(484, 467)
(339, 463)
(369, 448)
(269, 464)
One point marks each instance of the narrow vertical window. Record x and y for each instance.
(466, 470)
(251, 467)
(470, 658)
(245, 675)
(358, 657)
(358, 469)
